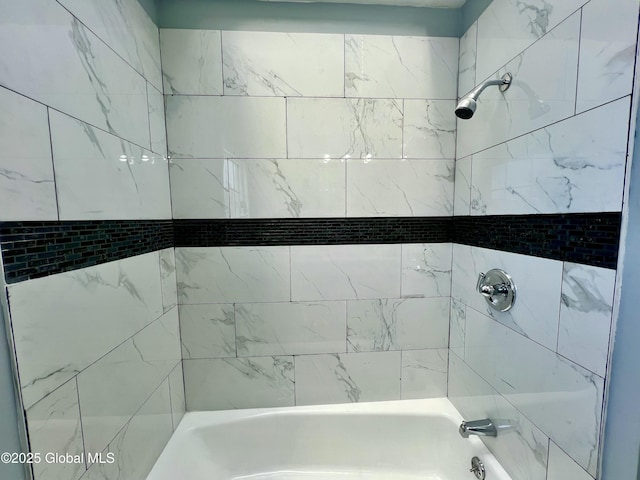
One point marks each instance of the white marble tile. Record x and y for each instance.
(100, 176)
(126, 28)
(397, 324)
(286, 188)
(168, 278)
(343, 272)
(115, 387)
(562, 466)
(283, 64)
(573, 166)
(176, 385)
(54, 427)
(507, 27)
(343, 128)
(199, 188)
(26, 169)
(563, 399)
(223, 384)
(226, 127)
(157, 128)
(407, 188)
(400, 66)
(585, 315)
(607, 51)
(462, 193)
(534, 99)
(424, 373)
(520, 447)
(426, 269)
(208, 331)
(458, 326)
(535, 279)
(104, 305)
(345, 378)
(191, 61)
(290, 328)
(429, 129)
(233, 274)
(87, 79)
(467, 60)
(139, 444)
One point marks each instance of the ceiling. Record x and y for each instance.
(403, 3)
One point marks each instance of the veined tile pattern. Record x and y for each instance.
(344, 128)
(344, 272)
(563, 399)
(424, 373)
(113, 389)
(397, 324)
(561, 466)
(534, 99)
(346, 378)
(398, 187)
(91, 165)
(232, 274)
(218, 127)
(283, 64)
(123, 297)
(176, 385)
(426, 269)
(458, 326)
(573, 166)
(462, 193)
(385, 66)
(87, 80)
(250, 382)
(191, 61)
(127, 29)
(535, 278)
(208, 331)
(429, 129)
(282, 188)
(26, 167)
(54, 426)
(585, 315)
(521, 447)
(199, 188)
(607, 52)
(507, 27)
(290, 328)
(467, 60)
(168, 278)
(157, 128)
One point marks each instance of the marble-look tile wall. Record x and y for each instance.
(90, 364)
(299, 325)
(555, 142)
(82, 137)
(277, 125)
(82, 131)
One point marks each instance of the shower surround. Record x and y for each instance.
(352, 134)
(292, 126)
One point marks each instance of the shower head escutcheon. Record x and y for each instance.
(467, 105)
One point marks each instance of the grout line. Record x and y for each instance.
(84, 445)
(53, 164)
(575, 103)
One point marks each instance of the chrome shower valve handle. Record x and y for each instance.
(498, 289)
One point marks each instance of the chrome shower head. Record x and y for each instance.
(466, 108)
(467, 105)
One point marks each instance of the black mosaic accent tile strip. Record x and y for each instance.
(586, 238)
(311, 231)
(38, 249)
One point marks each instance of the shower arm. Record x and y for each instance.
(475, 93)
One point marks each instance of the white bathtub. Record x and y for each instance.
(399, 440)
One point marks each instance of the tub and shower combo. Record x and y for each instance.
(394, 440)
